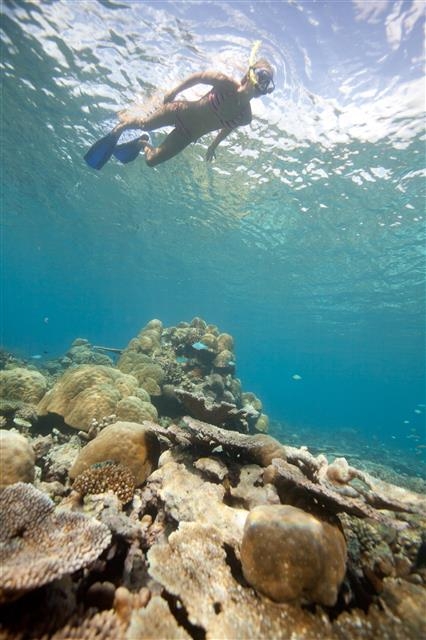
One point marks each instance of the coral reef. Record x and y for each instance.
(156, 617)
(16, 457)
(39, 544)
(304, 558)
(17, 414)
(222, 414)
(194, 567)
(22, 384)
(82, 352)
(128, 443)
(169, 526)
(90, 392)
(106, 476)
(189, 369)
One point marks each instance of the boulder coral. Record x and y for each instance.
(133, 409)
(91, 392)
(128, 443)
(148, 339)
(149, 375)
(16, 457)
(22, 384)
(82, 352)
(290, 555)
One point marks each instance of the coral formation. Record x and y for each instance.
(93, 391)
(39, 543)
(288, 555)
(26, 385)
(193, 566)
(292, 484)
(82, 352)
(156, 617)
(17, 414)
(131, 444)
(106, 476)
(259, 448)
(102, 625)
(16, 458)
(190, 369)
(223, 414)
(133, 409)
(185, 495)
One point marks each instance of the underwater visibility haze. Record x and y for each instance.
(305, 239)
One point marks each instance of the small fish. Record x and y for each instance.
(37, 356)
(46, 320)
(417, 411)
(296, 377)
(181, 359)
(199, 346)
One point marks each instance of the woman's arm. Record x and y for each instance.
(204, 77)
(210, 153)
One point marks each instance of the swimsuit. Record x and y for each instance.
(178, 121)
(216, 100)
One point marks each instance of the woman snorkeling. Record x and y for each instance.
(225, 107)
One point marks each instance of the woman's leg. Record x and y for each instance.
(165, 116)
(173, 144)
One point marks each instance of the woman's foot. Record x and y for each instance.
(129, 151)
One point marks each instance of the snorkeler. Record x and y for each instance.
(225, 107)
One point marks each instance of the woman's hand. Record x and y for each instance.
(169, 97)
(211, 153)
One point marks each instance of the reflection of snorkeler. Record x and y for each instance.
(225, 107)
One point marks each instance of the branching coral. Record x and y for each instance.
(106, 476)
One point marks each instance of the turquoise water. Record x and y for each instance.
(305, 239)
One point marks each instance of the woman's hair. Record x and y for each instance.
(259, 64)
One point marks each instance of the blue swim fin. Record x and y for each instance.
(129, 151)
(102, 150)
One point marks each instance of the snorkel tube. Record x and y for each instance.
(252, 60)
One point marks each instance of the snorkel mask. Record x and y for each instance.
(260, 77)
(262, 80)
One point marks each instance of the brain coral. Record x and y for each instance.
(39, 543)
(88, 392)
(288, 555)
(16, 457)
(128, 443)
(107, 476)
(22, 384)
